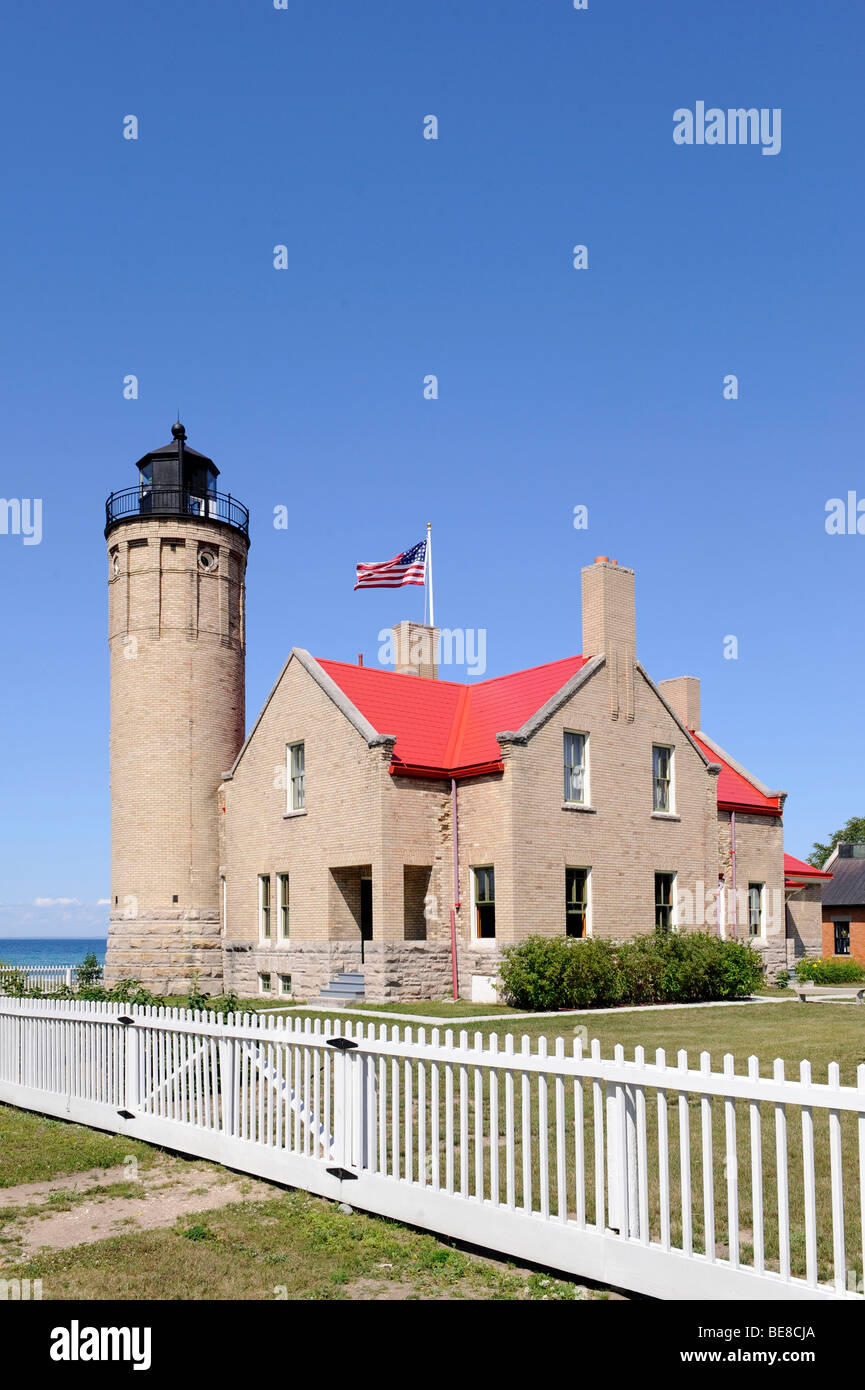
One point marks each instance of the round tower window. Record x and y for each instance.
(115, 564)
(208, 561)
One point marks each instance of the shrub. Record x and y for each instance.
(830, 972)
(591, 979)
(660, 968)
(533, 973)
(88, 973)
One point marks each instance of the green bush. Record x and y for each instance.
(545, 973)
(830, 972)
(88, 973)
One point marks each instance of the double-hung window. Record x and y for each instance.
(296, 755)
(662, 777)
(485, 903)
(283, 904)
(576, 771)
(665, 889)
(576, 901)
(842, 938)
(755, 909)
(264, 906)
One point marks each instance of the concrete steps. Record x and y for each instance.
(344, 988)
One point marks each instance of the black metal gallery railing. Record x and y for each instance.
(176, 501)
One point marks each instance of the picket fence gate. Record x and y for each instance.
(625, 1172)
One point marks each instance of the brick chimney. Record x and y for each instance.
(417, 649)
(683, 695)
(609, 628)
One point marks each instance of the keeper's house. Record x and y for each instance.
(386, 826)
(368, 806)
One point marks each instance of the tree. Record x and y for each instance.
(853, 833)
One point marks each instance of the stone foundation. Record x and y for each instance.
(402, 970)
(167, 952)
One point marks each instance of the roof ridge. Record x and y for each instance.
(459, 685)
(458, 727)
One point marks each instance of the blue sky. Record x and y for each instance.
(557, 387)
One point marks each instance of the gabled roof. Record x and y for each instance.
(447, 729)
(847, 888)
(444, 728)
(798, 873)
(737, 789)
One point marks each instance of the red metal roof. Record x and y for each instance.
(735, 792)
(798, 869)
(448, 729)
(444, 728)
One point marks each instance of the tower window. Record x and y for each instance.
(208, 561)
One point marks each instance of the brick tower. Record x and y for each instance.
(177, 553)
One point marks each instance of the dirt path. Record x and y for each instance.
(104, 1202)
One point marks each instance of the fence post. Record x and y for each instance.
(622, 1188)
(227, 1057)
(350, 1142)
(132, 1090)
(69, 977)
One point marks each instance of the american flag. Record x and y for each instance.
(407, 568)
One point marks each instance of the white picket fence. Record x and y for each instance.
(654, 1177)
(38, 976)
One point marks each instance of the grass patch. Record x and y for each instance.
(36, 1148)
(291, 1247)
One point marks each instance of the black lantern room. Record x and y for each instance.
(176, 480)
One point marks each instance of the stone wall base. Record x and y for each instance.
(402, 970)
(166, 952)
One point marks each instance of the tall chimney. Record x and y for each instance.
(416, 649)
(682, 694)
(609, 628)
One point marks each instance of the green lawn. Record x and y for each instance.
(292, 1246)
(35, 1148)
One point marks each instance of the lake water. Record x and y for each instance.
(50, 950)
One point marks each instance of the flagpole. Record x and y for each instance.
(432, 619)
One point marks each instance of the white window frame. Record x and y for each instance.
(262, 976)
(674, 898)
(842, 922)
(265, 913)
(587, 870)
(293, 805)
(280, 878)
(669, 810)
(476, 938)
(585, 799)
(281, 990)
(757, 935)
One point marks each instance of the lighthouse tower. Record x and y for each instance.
(177, 552)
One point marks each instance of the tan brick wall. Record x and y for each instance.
(619, 839)
(759, 859)
(176, 643)
(804, 923)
